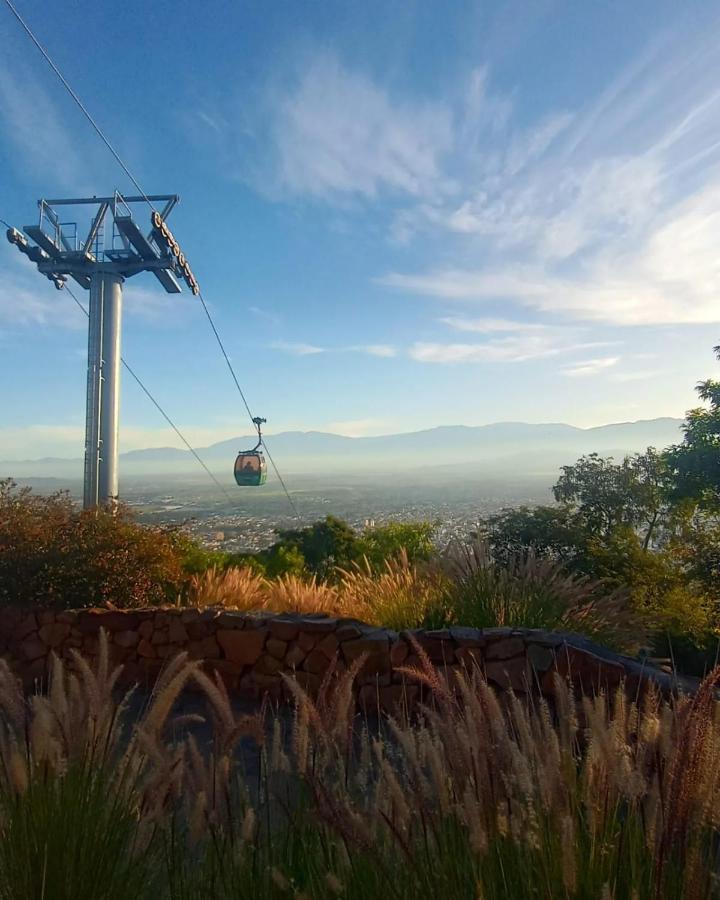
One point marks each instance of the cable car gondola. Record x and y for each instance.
(250, 465)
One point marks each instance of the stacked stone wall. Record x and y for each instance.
(251, 652)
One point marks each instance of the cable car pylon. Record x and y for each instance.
(100, 264)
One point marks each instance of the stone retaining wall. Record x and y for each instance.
(251, 651)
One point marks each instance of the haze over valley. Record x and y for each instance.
(451, 475)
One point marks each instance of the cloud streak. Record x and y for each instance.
(590, 367)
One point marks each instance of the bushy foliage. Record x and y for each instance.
(331, 545)
(54, 555)
(528, 591)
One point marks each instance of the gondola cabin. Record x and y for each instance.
(250, 465)
(250, 468)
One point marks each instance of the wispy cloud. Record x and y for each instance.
(32, 123)
(511, 349)
(28, 299)
(490, 326)
(336, 132)
(383, 350)
(297, 348)
(590, 367)
(265, 315)
(608, 213)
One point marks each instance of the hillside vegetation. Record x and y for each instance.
(629, 553)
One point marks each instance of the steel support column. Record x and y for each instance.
(110, 399)
(103, 390)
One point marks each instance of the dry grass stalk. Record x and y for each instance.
(616, 802)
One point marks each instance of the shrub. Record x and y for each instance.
(530, 592)
(54, 555)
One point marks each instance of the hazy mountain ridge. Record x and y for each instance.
(501, 444)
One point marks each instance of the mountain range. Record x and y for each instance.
(501, 447)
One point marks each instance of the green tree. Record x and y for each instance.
(604, 496)
(695, 463)
(549, 531)
(380, 543)
(324, 546)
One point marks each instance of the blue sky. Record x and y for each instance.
(402, 214)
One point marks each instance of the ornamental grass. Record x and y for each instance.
(463, 586)
(475, 796)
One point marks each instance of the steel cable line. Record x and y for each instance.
(247, 405)
(136, 183)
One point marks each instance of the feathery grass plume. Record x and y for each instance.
(402, 596)
(471, 796)
(236, 588)
(532, 592)
(74, 800)
(290, 593)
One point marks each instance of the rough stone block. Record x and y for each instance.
(160, 636)
(244, 647)
(177, 632)
(328, 646)
(318, 626)
(467, 637)
(229, 666)
(197, 630)
(470, 657)
(588, 671)
(284, 629)
(399, 652)
(316, 662)
(268, 665)
(308, 681)
(505, 648)
(375, 678)
(24, 627)
(349, 631)
(376, 644)
(307, 641)
(540, 658)
(189, 615)
(32, 673)
(207, 648)
(271, 685)
(146, 649)
(32, 648)
(231, 620)
(509, 673)
(53, 633)
(276, 647)
(294, 656)
(127, 639)
(146, 628)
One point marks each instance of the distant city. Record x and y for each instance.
(454, 477)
